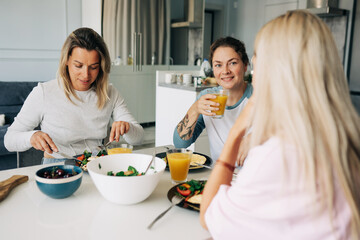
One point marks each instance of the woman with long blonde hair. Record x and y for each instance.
(301, 177)
(74, 111)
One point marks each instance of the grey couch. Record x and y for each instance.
(12, 97)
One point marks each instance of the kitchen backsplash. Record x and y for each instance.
(195, 44)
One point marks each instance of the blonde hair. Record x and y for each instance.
(88, 39)
(301, 90)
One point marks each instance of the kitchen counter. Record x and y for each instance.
(190, 87)
(27, 213)
(172, 103)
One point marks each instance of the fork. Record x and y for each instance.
(174, 201)
(104, 146)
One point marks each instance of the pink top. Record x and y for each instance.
(267, 201)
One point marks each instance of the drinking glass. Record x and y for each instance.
(221, 98)
(179, 163)
(116, 148)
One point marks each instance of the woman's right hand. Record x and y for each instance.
(205, 106)
(43, 142)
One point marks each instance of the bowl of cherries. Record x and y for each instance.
(59, 181)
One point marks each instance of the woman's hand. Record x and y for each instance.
(118, 129)
(43, 142)
(186, 126)
(205, 106)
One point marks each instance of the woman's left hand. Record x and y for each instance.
(118, 129)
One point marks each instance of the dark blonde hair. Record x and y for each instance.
(88, 39)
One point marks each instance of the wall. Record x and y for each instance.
(32, 34)
(250, 18)
(252, 15)
(91, 14)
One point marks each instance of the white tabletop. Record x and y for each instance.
(27, 213)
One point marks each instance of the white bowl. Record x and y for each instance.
(125, 190)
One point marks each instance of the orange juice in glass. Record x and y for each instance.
(116, 148)
(221, 98)
(179, 163)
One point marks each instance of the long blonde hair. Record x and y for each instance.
(88, 39)
(301, 91)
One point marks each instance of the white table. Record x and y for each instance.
(27, 213)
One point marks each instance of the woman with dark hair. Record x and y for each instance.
(74, 111)
(229, 61)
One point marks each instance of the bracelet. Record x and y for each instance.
(227, 165)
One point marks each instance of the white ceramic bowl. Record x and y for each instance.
(125, 190)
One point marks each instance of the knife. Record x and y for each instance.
(68, 157)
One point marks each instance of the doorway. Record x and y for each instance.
(213, 26)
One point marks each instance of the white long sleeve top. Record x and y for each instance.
(74, 127)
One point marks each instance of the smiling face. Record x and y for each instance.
(84, 67)
(228, 68)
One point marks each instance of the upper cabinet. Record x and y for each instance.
(157, 32)
(187, 31)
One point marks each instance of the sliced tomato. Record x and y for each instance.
(183, 192)
(81, 157)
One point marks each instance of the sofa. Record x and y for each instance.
(12, 97)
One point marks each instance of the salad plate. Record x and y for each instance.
(193, 168)
(185, 204)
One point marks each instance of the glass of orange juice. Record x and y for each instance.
(221, 98)
(179, 163)
(116, 148)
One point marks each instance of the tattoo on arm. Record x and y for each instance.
(185, 131)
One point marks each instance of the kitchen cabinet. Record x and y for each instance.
(275, 8)
(138, 88)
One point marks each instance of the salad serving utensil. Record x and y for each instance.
(153, 157)
(174, 201)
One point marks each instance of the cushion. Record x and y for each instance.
(12, 97)
(2, 119)
(15, 93)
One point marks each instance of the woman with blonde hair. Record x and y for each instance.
(74, 111)
(301, 176)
